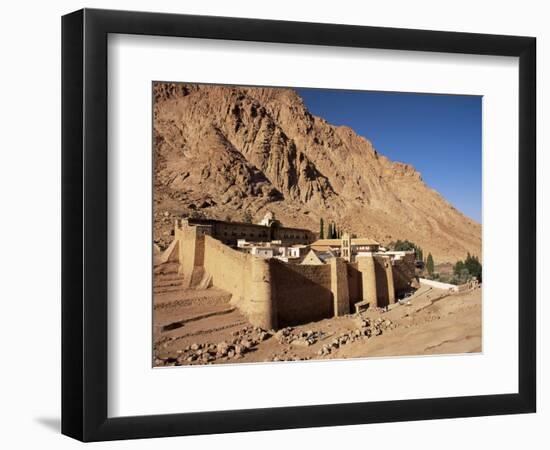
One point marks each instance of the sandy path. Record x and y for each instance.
(450, 325)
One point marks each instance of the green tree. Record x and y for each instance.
(474, 266)
(458, 268)
(332, 232)
(401, 246)
(321, 228)
(247, 217)
(406, 245)
(430, 266)
(465, 270)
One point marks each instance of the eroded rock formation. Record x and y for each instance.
(229, 152)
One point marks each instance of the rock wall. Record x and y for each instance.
(385, 286)
(404, 276)
(355, 284)
(303, 292)
(227, 150)
(339, 286)
(246, 277)
(367, 267)
(191, 253)
(230, 269)
(452, 288)
(273, 294)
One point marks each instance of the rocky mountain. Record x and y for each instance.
(228, 152)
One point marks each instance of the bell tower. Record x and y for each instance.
(346, 247)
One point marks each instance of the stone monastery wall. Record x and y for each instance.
(303, 292)
(273, 294)
(404, 273)
(355, 286)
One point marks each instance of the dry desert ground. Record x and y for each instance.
(195, 327)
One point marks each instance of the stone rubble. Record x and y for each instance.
(287, 356)
(247, 339)
(302, 339)
(366, 330)
(244, 341)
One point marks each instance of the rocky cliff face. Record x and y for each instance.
(229, 151)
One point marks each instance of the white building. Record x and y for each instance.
(273, 249)
(263, 252)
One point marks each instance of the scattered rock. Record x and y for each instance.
(301, 342)
(324, 350)
(222, 348)
(239, 349)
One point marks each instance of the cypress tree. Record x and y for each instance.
(430, 266)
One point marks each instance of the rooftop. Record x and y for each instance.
(338, 242)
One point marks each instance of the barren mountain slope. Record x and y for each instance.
(225, 151)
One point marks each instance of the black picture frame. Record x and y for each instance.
(84, 224)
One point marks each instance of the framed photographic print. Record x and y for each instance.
(273, 224)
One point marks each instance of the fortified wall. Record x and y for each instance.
(404, 274)
(274, 294)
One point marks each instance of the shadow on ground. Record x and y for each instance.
(52, 423)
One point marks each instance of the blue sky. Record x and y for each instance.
(440, 135)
